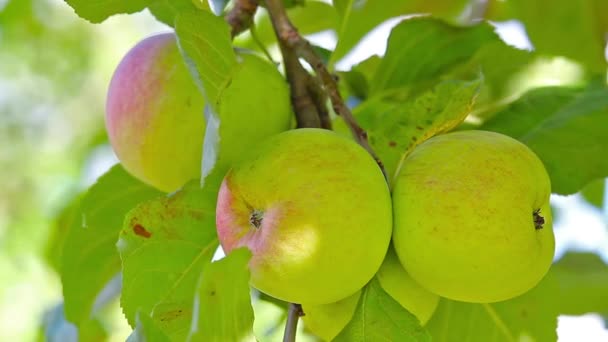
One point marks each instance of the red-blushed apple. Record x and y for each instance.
(314, 209)
(154, 114)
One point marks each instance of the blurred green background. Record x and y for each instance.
(54, 71)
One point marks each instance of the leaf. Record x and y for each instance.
(396, 126)
(532, 317)
(164, 246)
(499, 63)
(57, 328)
(380, 318)
(358, 78)
(167, 10)
(568, 28)
(583, 279)
(89, 257)
(359, 17)
(566, 128)
(207, 47)
(594, 193)
(146, 330)
(222, 310)
(422, 49)
(69, 217)
(99, 10)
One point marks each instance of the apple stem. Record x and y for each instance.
(295, 312)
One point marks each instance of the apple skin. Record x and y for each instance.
(314, 209)
(327, 320)
(154, 114)
(395, 280)
(464, 205)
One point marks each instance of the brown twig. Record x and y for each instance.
(289, 36)
(304, 106)
(240, 17)
(301, 100)
(319, 97)
(295, 312)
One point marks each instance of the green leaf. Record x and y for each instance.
(359, 17)
(358, 78)
(89, 257)
(164, 246)
(222, 311)
(499, 64)
(205, 41)
(167, 10)
(380, 318)
(583, 279)
(594, 193)
(531, 317)
(99, 10)
(421, 50)
(395, 126)
(566, 128)
(146, 330)
(69, 217)
(56, 328)
(568, 28)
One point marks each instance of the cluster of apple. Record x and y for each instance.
(468, 217)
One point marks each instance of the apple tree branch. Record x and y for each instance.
(288, 35)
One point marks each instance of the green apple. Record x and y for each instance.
(154, 112)
(314, 209)
(405, 290)
(327, 320)
(472, 216)
(255, 105)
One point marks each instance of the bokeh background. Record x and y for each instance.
(54, 72)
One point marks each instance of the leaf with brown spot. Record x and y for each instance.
(147, 330)
(160, 272)
(89, 258)
(138, 229)
(396, 126)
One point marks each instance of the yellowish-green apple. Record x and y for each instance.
(472, 216)
(327, 320)
(154, 112)
(395, 280)
(314, 209)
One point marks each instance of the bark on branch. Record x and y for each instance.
(240, 17)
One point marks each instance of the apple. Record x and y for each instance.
(315, 211)
(472, 216)
(154, 114)
(327, 320)
(155, 120)
(398, 284)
